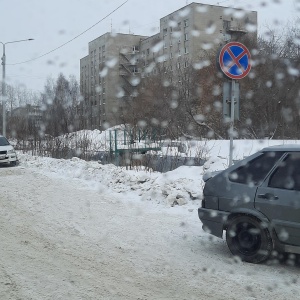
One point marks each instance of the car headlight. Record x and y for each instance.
(12, 151)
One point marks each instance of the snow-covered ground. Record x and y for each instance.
(81, 230)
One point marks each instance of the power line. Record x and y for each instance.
(72, 38)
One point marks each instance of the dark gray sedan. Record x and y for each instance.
(257, 203)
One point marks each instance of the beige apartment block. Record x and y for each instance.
(111, 71)
(106, 77)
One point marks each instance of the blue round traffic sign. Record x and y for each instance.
(234, 60)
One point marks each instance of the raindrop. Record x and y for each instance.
(217, 91)
(150, 68)
(120, 93)
(104, 72)
(201, 8)
(154, 121)
(210, 28)
(142, 123)
(279, 76)
(297, 41)
(239, 14)
(283, 235)
(184, 12)
(135, 80)
(251, 27)
(269, 83)
(164, 124)
(162, 58)
(218, 105)
(111, 62)
(174, 104)
(207, 46)
(98, 89)
(199, 118)
(195, 33)
(172, 23)
(166, 83)
(158, 46)
(293, 71)
(176, 34)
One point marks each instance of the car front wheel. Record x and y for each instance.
(248, 239)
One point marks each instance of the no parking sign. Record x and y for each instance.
(234, 60)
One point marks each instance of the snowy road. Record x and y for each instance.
(61, 239)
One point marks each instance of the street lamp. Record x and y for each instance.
(4, 86)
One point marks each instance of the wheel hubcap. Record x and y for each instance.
(247, 240)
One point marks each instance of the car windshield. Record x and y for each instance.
(3, 141)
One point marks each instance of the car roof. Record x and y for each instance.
(287, 147)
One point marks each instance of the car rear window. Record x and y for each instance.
(255, 171)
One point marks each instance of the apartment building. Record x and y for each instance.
(106, 77)
(109, 74)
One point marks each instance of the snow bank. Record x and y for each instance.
(178, 187)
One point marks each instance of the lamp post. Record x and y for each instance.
(4, 86)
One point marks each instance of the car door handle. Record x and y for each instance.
(268, 196)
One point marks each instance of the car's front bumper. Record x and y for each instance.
(213, 220)
(8, 158)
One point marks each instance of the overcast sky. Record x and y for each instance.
(54, 22)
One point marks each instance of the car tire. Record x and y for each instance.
(248, 239)
(13, 163)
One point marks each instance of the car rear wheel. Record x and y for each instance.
(248, 239)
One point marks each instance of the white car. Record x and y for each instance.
(7, 152)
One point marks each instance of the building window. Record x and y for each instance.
(186, 23)
(148, 51)
(186, 64)
(226, 25)
(186, 36)
(165, 31)
(135, 70)
(186, 50)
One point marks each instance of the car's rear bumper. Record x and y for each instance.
(213, 220)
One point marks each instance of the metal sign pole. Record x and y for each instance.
(234, 60)
(232, 121)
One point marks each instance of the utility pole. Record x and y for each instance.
(4, 84)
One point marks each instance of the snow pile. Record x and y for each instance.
(178, 187)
